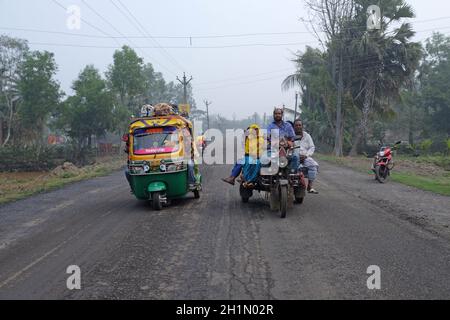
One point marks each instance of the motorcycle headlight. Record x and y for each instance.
(283, 163)
(381, 154)
(147, 168)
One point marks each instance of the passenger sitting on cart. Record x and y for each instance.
(254, 144)
(303, 155)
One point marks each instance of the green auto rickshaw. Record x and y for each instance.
(161, 159)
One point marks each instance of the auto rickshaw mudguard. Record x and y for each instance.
(156, 186)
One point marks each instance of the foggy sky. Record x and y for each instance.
(239, 80)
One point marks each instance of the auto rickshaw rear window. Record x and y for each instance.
(155, 141)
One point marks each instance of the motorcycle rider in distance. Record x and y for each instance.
(304, 154)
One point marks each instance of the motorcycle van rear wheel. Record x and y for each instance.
(299, 194)
(283, 201)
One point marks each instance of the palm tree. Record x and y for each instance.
(314, 81)
(366, 69)
(384, 59)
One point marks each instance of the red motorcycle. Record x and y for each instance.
(383, 163)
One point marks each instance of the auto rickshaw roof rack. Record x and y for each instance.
(163, 109)
(159, 121)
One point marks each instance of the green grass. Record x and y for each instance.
(439, 161)
(439, 185)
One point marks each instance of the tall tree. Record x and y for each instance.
(434, 78)
(332, 18)
(39, 93)
(90, 111)
(126, 78)
(12, 54)
(383, 61)
(318, 92)
(155, 86)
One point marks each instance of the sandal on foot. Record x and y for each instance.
(228, 181)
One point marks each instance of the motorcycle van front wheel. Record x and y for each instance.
(245, 193)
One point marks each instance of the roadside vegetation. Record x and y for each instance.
(33, 108)
(367, 87)
(429, 173)
(18, 185)
(363, 87)
(49, 138)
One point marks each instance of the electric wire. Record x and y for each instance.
(187, 37)
(133, 45)
(149, 36)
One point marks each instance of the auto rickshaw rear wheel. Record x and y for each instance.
(156, 201)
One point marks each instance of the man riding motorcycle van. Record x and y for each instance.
(298, 136)
(278, 127)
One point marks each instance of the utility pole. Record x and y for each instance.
(185, 83)
(296, 103)
(207, 104)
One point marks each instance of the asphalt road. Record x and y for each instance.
(219, 248)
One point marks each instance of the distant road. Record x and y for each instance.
(219, 248)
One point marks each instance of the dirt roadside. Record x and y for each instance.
(19, 185)
(427, 210)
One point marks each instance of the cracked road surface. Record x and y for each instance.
(219, 248)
